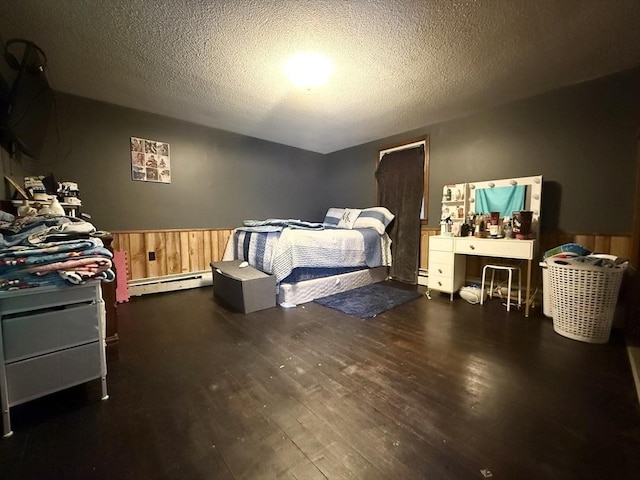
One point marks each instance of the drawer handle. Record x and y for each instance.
(472, 247)
(439, 270)
(440, 283)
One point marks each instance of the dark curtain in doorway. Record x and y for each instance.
(400, 177)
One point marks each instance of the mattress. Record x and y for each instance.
(308, 290)
(279, 253)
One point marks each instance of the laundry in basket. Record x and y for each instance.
(584, 294)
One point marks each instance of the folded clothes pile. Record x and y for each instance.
(51, 250)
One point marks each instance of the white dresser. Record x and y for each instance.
(50, 339)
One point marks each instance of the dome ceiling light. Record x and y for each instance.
(308, 71)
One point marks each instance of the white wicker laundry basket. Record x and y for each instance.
(583, 299)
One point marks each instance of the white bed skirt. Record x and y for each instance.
(308, 290)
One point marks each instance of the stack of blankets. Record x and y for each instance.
(51, 250)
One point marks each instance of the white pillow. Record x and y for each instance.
(374, 217)
(333, 216)
(349, 218)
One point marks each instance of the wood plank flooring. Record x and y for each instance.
(430, 390)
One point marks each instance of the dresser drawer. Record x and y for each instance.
(443, 244)
(30, 298)
(505, 248)
(45, 374)
(50, 330)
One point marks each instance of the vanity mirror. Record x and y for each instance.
(508, 196)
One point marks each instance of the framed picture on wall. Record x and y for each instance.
(150, 161)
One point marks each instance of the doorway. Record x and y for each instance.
(401, 176)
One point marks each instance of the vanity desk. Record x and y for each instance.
(447, 254)
(447, 262)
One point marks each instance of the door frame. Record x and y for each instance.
(635, 233)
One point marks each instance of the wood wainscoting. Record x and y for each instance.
(156, 256)
(153, 256)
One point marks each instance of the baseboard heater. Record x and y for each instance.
(170, 283)
(423, 277)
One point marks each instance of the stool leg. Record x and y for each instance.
(519, 288)
(509, 291)
(493, 272)
(484, 271)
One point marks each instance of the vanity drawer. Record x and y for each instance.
(50, 330)
(45, 374)
(443, 283)
(436, 256)
(441, 269)
(443, 244)
(490, 247)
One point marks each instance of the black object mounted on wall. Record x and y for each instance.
(26, 112)
(36, 66)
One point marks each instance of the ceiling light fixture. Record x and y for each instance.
(308, 70)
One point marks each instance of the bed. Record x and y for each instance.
(310, 260)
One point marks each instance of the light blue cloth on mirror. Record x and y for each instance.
(505, 200)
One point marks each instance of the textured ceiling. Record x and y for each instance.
(399, 65)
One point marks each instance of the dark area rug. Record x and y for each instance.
(368, 301)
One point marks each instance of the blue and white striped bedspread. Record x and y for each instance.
(279, 252)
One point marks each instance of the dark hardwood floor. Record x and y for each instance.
(430, 390)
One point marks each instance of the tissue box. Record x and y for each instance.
(245, 289)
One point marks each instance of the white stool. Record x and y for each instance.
(510, 269)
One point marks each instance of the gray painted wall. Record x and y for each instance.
(582, 139)
(218, 178)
